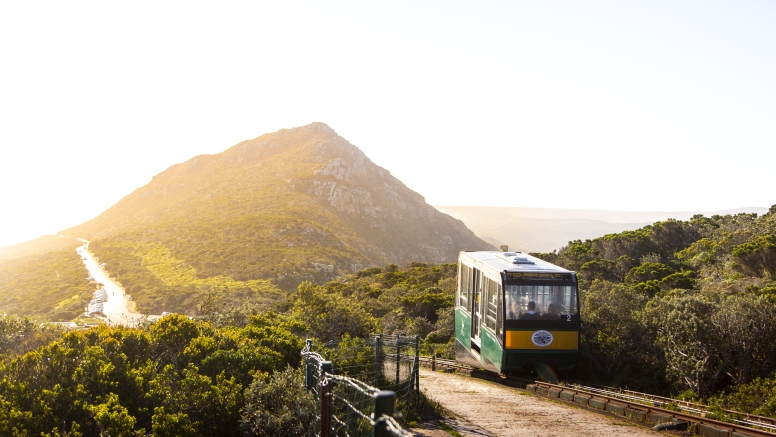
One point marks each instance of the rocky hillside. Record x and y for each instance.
(298, 204)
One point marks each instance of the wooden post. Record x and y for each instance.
(433, 362)
(384, 404)
(326, 367)
(325, 407)
(398, 357)
(308, 370)
(378, 343)
(417, 366)
(417, 375)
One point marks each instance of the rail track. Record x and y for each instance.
(658, 411)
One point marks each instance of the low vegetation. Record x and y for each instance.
(158, 281)
(51, 285)
(682, 308)
(177, 377)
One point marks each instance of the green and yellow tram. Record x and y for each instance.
(515, 311)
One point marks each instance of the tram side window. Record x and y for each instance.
(458, 288)
(465, 286)
(499, 311)
(540, 301)
(492, 304)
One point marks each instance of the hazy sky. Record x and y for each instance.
(569, 104)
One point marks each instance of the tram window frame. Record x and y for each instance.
(459, 279)
(535, 276)
(566, 322)
(500, 314)
(491, 311)
(465, 286)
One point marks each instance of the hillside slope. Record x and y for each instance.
(298, 204)
(38, 246)
(46, 279)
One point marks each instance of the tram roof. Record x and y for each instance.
(498, 262)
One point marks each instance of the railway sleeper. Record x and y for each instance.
(635, 414)
(659, 418)
(615, 408)
(714, 431)
(740, 434)
(673, 424)
(567, 395)
(581, 399)
(707, 430)
(598, 404)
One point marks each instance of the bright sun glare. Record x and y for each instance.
(593, 105)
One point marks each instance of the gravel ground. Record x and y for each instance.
(494, 410)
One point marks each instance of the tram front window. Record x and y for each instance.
(540, 301)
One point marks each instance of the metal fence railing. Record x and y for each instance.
(347, 404)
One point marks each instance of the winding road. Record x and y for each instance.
(118, 309)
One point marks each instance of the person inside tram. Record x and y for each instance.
(552, 312)
(531, 313)
(514, 311)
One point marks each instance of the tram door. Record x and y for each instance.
(476, 306)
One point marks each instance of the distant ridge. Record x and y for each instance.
(44, 244)
(548, 229)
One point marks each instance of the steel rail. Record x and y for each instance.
(697, 409)
(637, 409)
(444, 364)
(627, 404)
(763, 421)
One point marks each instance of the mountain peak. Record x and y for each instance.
(318, 126)
(315, 127)
(293, 205)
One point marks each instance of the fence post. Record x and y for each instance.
(416, 366)
(433, 361)
(325, 407)
(384, 404)
(308, 370)
(326, 367)
(416, 370)
(398, 356)
(378, 341)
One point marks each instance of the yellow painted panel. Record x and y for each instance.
(561, 340)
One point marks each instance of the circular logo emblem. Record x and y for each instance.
(542, 338)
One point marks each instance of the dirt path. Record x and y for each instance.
(507, 412)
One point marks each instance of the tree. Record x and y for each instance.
(173, 424)
(683, 328)
(171, 335)
(757, 257)
(279, 407)
(330, 316)
(615, 346)
(113, 420)
(747, 334)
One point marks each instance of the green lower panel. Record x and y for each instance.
(491, 349)
(463, 327)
